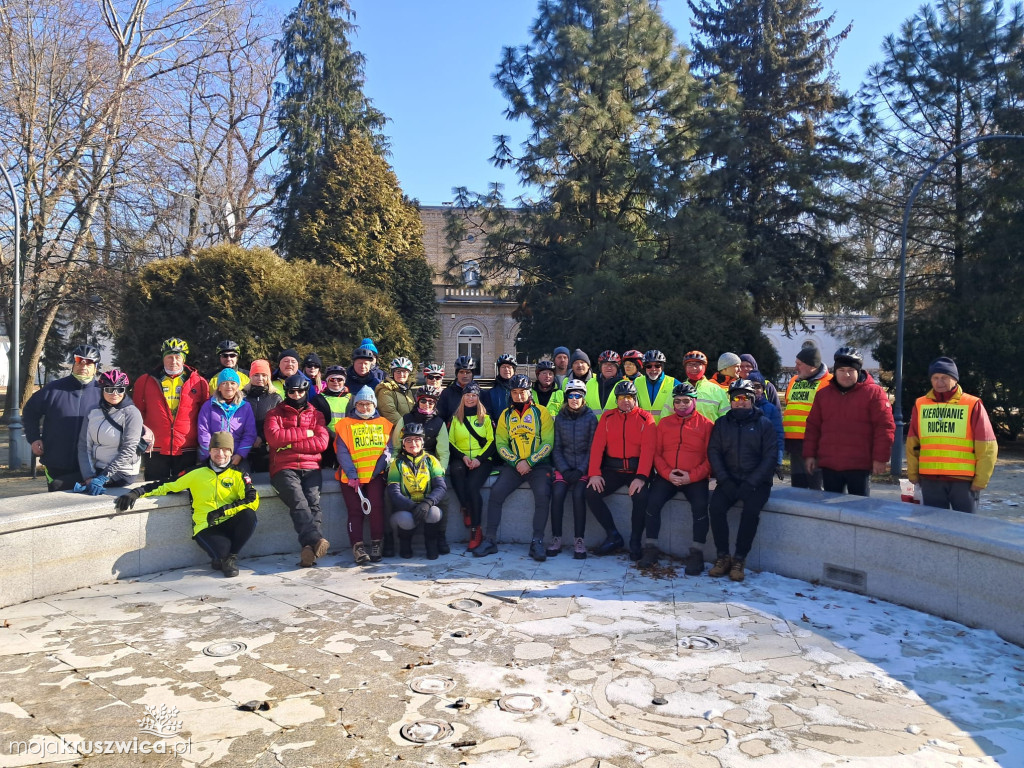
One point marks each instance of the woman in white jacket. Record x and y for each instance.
(108, 443)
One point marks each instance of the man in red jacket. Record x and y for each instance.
(681, 460)
(296, 436)
(169, 398)
(850, 428)
(622, 454)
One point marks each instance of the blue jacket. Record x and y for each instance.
(775, 417)
(61, 406)
(573, 437)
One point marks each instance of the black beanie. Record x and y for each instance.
(809, 356)
(579, 354)
(944, 365)
(288, 353)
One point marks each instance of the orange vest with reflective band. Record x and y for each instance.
(947, 438)
(366, 441)
(799, 399)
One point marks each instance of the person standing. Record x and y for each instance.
(728, 370)
(742, 451)
(575, 425)
(562, 369)
(108, 455)
(332, 402)
(311, 367)
(654, 390)
(748, 365)
(227, 411)
(262, 399)
(499, 396)
(850, 428)
(601, 388)
(169, 398)
(54, 415)
(579, 365)
(364, 371)
(951, 447)
(287, 365)
(227, 355)
(546, 393)
(712, 401)
(811, 377)
(296, 436)
(395, 396)
(632, 364)
(451, 397)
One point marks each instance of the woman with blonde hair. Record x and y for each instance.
(471, 442)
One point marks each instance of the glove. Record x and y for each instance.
(126, 502)
(215, 516)
(572, 476)
(420, 511)
(97, 485)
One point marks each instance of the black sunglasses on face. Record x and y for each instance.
(113, 390)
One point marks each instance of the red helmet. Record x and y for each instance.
(610, 356)
(635, 356)
(697, 355)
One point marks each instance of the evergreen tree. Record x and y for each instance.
(776, 159)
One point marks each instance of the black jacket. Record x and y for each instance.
(744, 448)
(62, 407)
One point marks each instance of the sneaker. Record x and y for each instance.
(649, 558)
(537, 550)
(736, 572)
(612, 544)
(636, 551)
(476, 536)
(466, 519)
(230, 566)
(487, 547)
(376, 550)
(694, 562)
(579, 549)
(721, 566)
(554, 547)
(359, 553)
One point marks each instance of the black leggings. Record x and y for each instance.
(559, 490)
(229, 537)
(467, 484)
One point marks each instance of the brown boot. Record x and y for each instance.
(736, 571)
(359, 553)
(721, 566)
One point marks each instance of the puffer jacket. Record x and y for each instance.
(624, 442)
(394, 400)
(743, 448)
(848, 430)
(236, 418)
(574, 434)
(683, 444)
(178, 433)
(262, 401)
(295, 437)
(498, 398)
(62, 406)
(103, 449)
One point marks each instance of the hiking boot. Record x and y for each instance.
(307, 557)
(649, 558)
(466, 519)
(376, 551)
(612, 544)
(636, 551)
(537, 550)
(388, 549)
(321, 548)
(430, 536)
(475, 537)
(579, 549)
(405, 544)
(229, 567)
(487, 547)
(216, 564)
(554, 547)
(359, 553)
(721, 566)
(736, 572)
(442, 540)
(694, 562)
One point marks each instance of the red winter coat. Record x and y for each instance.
(683, 444)
(180, 433)
(625, 440)
(289, 440)
(848, 430)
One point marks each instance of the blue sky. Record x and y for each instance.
(429, 67)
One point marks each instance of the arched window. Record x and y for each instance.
(471, 342)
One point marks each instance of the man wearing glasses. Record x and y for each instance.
(227, 356)
(654, 390)
(452, 395)
(62, 406)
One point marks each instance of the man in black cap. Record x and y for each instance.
(811, 376)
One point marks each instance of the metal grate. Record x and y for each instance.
(844, 578)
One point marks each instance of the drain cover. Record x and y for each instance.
(433, 685)
(224, 649)
(426, 731)
(698, 643)
(519, 702)
(465, 604)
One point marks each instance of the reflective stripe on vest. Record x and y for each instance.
(799, 398)
(947, 438)
(337, 404)
(366, 441)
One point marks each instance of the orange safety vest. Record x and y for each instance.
(947, 438)
(366, 440)
(800, 395)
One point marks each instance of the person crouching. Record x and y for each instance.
(415, 487)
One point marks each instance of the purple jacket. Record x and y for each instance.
(218, 416)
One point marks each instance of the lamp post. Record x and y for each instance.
(898, 443)
(14, 428)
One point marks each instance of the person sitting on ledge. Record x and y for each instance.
(224, 503)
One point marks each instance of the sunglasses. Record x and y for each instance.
(653, 365)
(427, 401)
(574, 396)
(739, 397)
(311, 365)
(229, 354)
(434, 376)
(292, 391)
(114, 390)
(336, 379)
(85, 360)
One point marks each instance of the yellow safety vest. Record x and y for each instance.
(338, 405)
(947, 438)
(662, 400)
(799, 398)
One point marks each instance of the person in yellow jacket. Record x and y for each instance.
(224, 503)
(811, 376)
(951, 446)
(712, 401)
(654, 388)
(227, 354)
(525, 439)
(416, 488)
(363, 445)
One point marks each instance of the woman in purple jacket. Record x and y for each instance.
(227, 411)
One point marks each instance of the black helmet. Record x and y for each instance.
(87, 351)
(464, 363)
(296, 381)
(654, 356)
(742, 387)
(363, 354)
(545, 365)
(684, 389)
(849, 357)
(227, 346)
(413, 429)
(506, 359)
(519, 381)
(625, 387)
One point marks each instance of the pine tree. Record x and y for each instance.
(776, 157)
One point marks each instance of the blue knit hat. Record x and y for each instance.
(367, 343)
(228, 374)
(561, 351)
(944, 365)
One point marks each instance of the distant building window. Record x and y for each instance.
(471, 274)
(471, 342)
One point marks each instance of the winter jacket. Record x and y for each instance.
(262, 401)
(415, 479)
(849, 430)
(334, 407)
(655, 397)
(774, 415)
(363, 447)
(553, 399)
(435, 438)
(601, 393)
(525, 435)
(683, 444)
(574, 434)
(743, 448)
(983, 449)
(462, 442)
(103, 449)
(216, 496)
(219, 416)
(180, 432)
(372, 379)
(624, 442)
(498, 398)
(295, 437)
(394, 400)
(62, 406)
(712, 401)
(450, 399)
(800, 395)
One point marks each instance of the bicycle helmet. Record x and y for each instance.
(86, 351)
(227, 346)
(635, 356)
(174, 346)
(403, 363)
(464, 363)
(625, 388)
(433, 368)
(742, 387)
(696, 355)
(849, 357)
(428, 391)
(684, 389)
(519, 381)
(113, 378)
(362, 353)
(575, 385)
(506, 359)
(609, 356)
(545, 365)
(654, 356)
(413, 429)
(296, 381)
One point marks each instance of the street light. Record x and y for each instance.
(898, 443)
(14, 428)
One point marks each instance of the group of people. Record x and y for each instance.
(572, 433)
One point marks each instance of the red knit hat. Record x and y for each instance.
(259, 366)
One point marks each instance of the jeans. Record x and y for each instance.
(467, 484)
(508, 480)
(229, 537)
(852, 481)
(559, 490)
(696, 493)
(753, 500)
(299, 489)
(612, 482)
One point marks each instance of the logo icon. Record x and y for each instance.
(160, 721)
